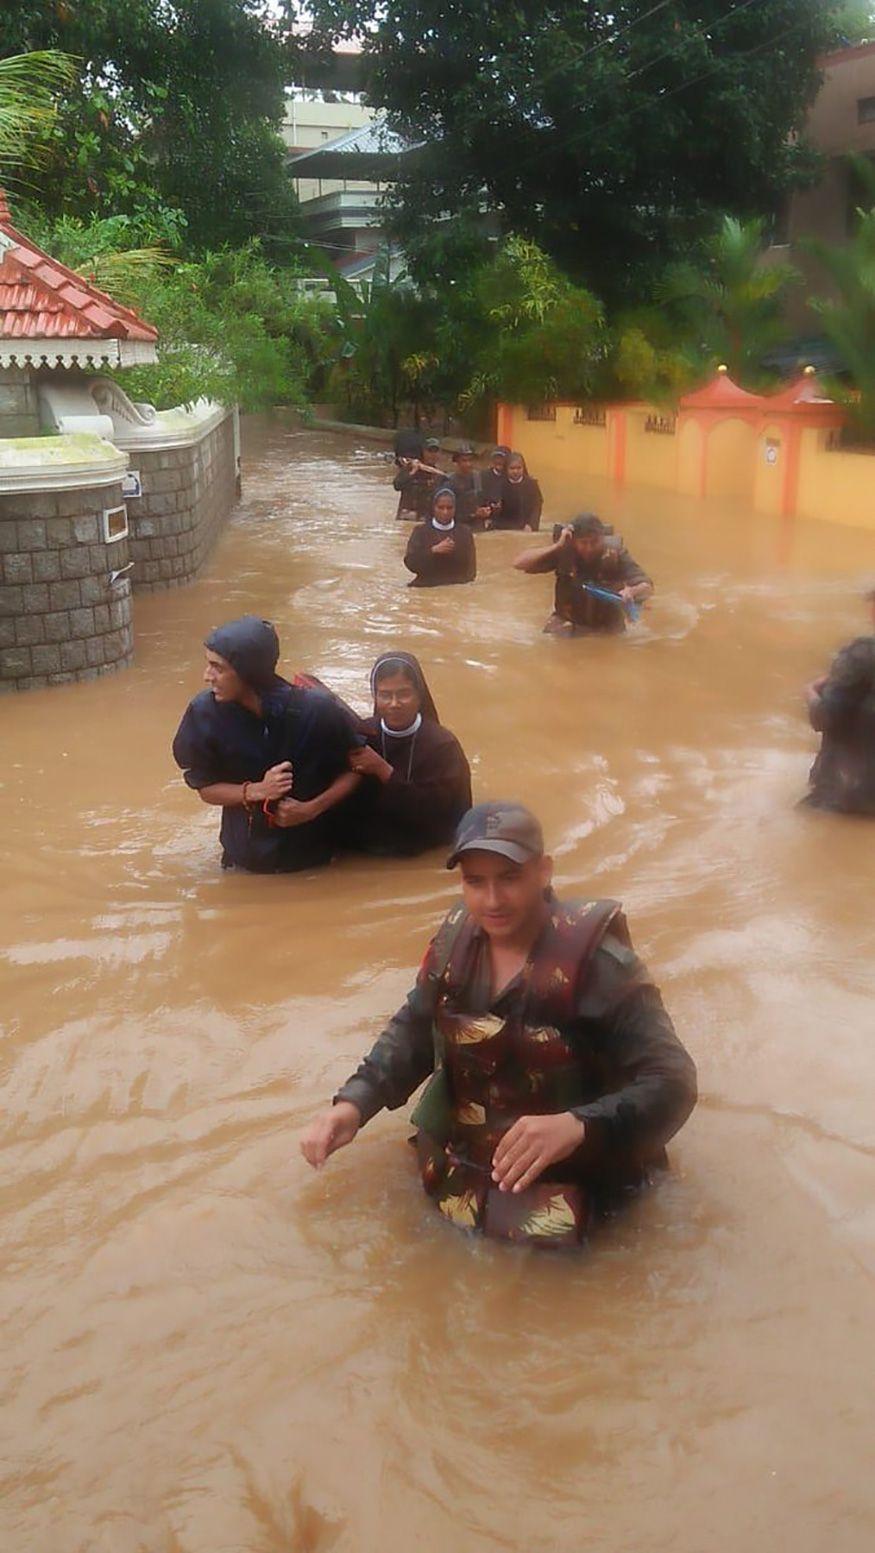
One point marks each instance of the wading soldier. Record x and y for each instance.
(589, 563)
(555, 1075)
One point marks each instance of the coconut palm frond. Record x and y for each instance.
(29, 87)
(122, 275)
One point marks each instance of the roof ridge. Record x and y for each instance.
(54, 277)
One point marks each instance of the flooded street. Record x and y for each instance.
(210, 1349)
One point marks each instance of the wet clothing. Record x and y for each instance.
(433, 571)
(843, 775)
(430, 789)
(580, 612)
(423, 801)
(581, 1028)
(224, 742)
(468, 490)
(491, 491)
(521, 504)
(252, 648)
(417, 490)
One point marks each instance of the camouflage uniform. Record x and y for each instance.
(580, 1029)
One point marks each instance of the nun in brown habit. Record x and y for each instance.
(417, 782)
(441, 550)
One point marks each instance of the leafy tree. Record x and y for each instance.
(177, 106)
(854, 21)
(613, 133)
(232, 326)
(546, 338)
(847, 317)
(29, 88)
(727, 304)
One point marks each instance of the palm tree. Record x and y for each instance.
(730, 303)
(848, 317)
(29, 87)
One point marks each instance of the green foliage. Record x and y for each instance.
(614, 134)
(546, 338)
(854, 21)
(177, 106)
(232, 326)
(29, 88)
(848, 317)
(728, 305)
(644, 365)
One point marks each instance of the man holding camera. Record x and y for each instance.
(590, 562)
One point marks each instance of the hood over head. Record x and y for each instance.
(251, 646)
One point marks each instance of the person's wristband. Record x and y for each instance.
(247, 801)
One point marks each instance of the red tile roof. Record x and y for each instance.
(41, 299)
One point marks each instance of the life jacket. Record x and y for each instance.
(585, 610)
(490, 1071)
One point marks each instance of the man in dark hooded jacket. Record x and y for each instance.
(273, 755)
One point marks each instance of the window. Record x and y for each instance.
(866, 110)
(115, 524)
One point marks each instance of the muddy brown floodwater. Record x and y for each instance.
(209, 1349)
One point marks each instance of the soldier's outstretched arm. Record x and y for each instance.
(398, 1062)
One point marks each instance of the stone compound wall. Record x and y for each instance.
(187, 494)
(61, 618)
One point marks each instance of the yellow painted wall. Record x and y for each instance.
(835, 487)
(729, 459)
(651, 457)
(690, 452)
(559, 445)
(770, 470)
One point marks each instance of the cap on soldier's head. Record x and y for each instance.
(433, 442)
(506, 828)
(465, 451)
(586, 523)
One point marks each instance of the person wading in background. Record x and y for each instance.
(841, 708)
(273, 755)
(584, 552)
(417, 480)
(492, 484)
(472, 505)
(556, 1074)
(521, 500)
(441, 551)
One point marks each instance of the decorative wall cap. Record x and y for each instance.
(88, 354)
(805, 393)
(721, 394)
(63, 463)
(177, 428)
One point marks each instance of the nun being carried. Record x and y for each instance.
(273, 755)
(416, 780)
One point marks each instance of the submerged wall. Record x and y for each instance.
(85, 521)
(188, 480)
(778, 455)
(64, 614)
